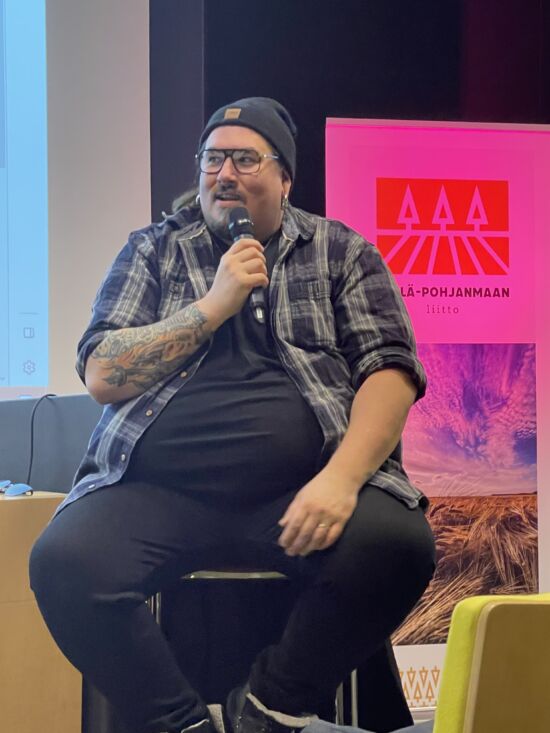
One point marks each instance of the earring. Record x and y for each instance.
(198, 200)
(284, 202)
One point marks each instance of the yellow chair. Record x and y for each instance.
(496, 677)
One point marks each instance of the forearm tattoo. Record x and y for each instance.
(146, 354)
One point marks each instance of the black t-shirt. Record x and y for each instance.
(239, 425)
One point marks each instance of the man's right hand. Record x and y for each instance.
(242, 268)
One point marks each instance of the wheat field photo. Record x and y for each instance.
(485, 545)
(470, 446)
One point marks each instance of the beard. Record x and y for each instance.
(219, 225)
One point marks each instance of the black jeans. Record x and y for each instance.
(105, 554)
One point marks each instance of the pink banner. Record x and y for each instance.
(461, 214)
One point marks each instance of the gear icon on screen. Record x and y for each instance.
(29, 367)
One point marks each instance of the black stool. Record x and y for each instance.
(227, 657)
(217, 647)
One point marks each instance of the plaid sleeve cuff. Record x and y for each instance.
(391, 358)
(87, 344)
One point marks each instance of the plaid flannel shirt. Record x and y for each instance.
(335, 310)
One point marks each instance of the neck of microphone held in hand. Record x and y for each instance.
(241, 226)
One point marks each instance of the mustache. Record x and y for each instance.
(228, 192)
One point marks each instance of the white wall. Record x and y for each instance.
(99, 156)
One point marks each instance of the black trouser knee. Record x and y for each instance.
(364, 587)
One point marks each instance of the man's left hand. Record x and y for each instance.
(318, 513)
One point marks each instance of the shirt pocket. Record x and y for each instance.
(311, 314)
(175, 295)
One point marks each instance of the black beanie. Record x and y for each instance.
(265, 116)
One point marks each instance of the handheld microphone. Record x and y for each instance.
(241, 226)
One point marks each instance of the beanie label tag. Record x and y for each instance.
(232, 113)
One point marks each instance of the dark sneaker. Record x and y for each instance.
(246, 714)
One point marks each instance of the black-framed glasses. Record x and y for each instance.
(245, 160)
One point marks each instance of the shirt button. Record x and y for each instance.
(149, 413)
(183, 375)
(123, 456)
(91, 486)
